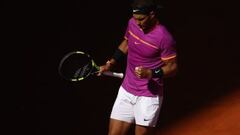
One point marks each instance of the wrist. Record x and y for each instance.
(109, 64)
(118, 55)
(157, 73)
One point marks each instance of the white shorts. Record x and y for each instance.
(136, 109)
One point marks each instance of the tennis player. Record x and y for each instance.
(151, 56)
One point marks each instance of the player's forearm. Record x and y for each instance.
(119, 53)
(123, 46)
(170, 68)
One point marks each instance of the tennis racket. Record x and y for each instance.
(78, 65)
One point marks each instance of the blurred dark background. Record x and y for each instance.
(208, 56)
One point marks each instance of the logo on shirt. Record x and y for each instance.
(136, 43)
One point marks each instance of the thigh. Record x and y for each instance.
(144, 130)
(117, 127)
(123, 108)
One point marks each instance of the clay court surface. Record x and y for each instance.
(220, 117)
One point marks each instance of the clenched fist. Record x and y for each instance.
(142, 72)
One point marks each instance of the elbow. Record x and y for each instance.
(174, 70)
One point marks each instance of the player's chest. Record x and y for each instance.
(143, 46)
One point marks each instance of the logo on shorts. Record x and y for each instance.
(146, 119)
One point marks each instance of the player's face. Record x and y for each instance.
(143, 21)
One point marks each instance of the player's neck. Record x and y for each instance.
(153, 24)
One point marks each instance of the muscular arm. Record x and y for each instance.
(123, 47)
(170, 67)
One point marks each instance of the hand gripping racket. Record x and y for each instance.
(77, 65)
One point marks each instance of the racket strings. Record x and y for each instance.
(83, 72)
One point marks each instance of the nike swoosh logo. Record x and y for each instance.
(136, 43)
(157, 71)
(135, 10)
(146, 119)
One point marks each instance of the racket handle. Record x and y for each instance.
(113, 74)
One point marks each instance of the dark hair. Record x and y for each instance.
(142, 3)
(145, 6)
